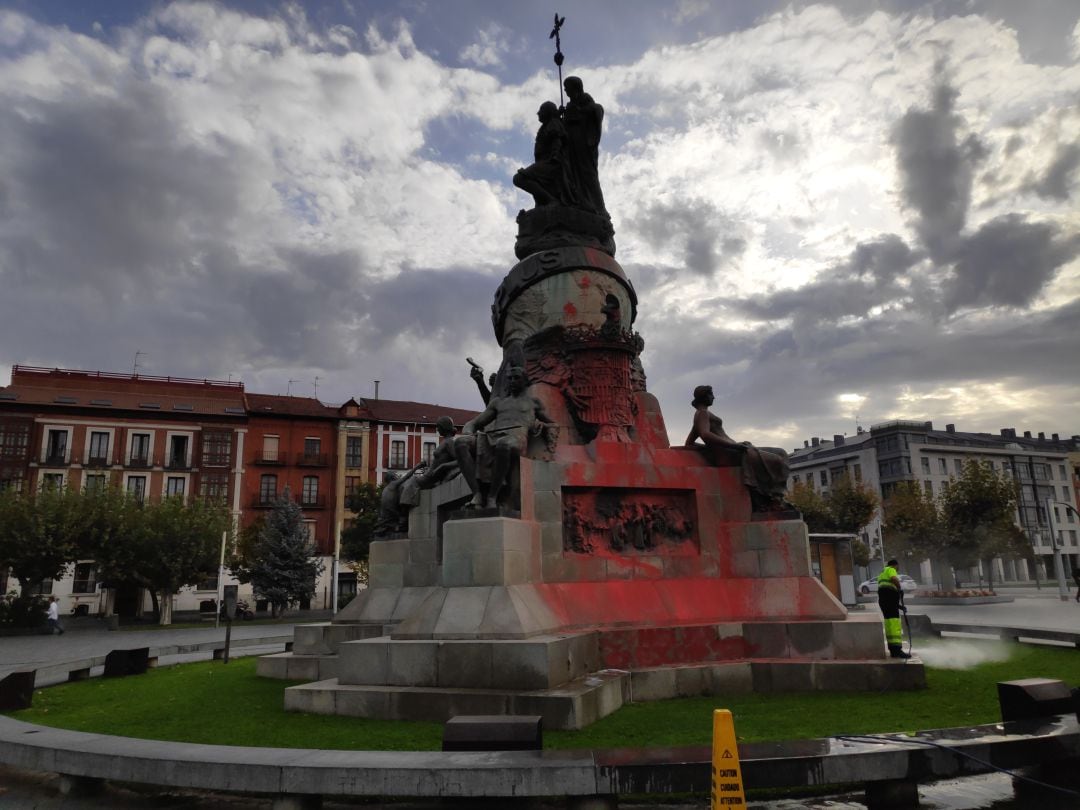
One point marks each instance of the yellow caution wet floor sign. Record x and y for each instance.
(727, 782)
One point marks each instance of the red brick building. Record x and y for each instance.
(166, 435)
(292, 444)
(149, 435)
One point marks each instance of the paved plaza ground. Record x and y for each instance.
(20, 790)
(29, 652)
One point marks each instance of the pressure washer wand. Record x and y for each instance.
(907, 624)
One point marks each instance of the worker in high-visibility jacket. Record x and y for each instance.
(890, 598)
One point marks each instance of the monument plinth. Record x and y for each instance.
(578, 552)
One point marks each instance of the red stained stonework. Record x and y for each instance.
(660, 646)
(665, 585)
(629, 521)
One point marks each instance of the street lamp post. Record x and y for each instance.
(1036, 536)
(1059, 566)
(220, 581)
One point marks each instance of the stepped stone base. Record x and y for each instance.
(323, 638)
(742, 677)
(545, 662)
(574, 679)
(571, 706)
(292, 667)
(549, 660)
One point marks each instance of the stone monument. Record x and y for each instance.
(593, 560)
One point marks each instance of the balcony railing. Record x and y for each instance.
(139, 461)
(97, 461)
(261, 501)
(312, 460)
(56, 459)
(178, 464)
(273, 458)
(16, 454)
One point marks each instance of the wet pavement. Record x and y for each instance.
(31, 652)
(20, 790)
(1031, 608)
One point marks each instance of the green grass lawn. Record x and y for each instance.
(230, 705)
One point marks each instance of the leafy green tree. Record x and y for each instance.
(112, 523)
(180, 544)
(913, 528)
(41, 533)
(847, 507)
(860, 553)
(912, 523)
(356, 539)
(244, 549)
(977, 510)
(281, 565)
(815, 510)
(852, 504)
(157, 546)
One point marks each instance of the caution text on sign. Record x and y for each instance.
(727, 782)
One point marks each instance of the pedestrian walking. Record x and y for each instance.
(890, 597)
(1076, 579)
(54, 617)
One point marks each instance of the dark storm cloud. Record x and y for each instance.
(867, 278)
(786, 374)
(695, 345)
(1057, 181)
(325, 309)
(451, 306)
(102, 192)
(1007, 262)
(708, 238)
(301, 312)
(936, 169)
(114, 220)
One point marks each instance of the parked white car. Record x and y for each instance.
(906, 584)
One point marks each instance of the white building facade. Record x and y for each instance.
(897, 451)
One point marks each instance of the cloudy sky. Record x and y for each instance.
(831, 211)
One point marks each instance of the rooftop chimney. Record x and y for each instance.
(806, 443)
(1027, 434)
(928, 425)
(950, 428)
(838, 440)
(1055, 437)
(1042, 436)
(815, 441)
(1008, 433)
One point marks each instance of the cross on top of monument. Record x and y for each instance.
(558, 52)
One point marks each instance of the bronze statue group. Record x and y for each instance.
(485, 452)
(565, 156)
